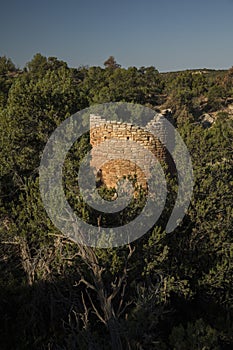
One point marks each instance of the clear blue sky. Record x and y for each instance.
(168, 34)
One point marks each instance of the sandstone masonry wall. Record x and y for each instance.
(113, 155)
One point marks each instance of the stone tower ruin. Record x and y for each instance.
(112, 163)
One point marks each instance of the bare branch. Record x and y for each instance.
(89, 285)
(5, 242)
(124, 308)
(95, 309)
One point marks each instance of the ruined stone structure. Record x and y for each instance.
(113, 156)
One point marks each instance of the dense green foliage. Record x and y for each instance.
(164, 291)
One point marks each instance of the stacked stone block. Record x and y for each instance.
(112, 148)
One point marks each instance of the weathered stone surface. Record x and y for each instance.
(113, 169)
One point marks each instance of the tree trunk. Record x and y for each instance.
(113, 327)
